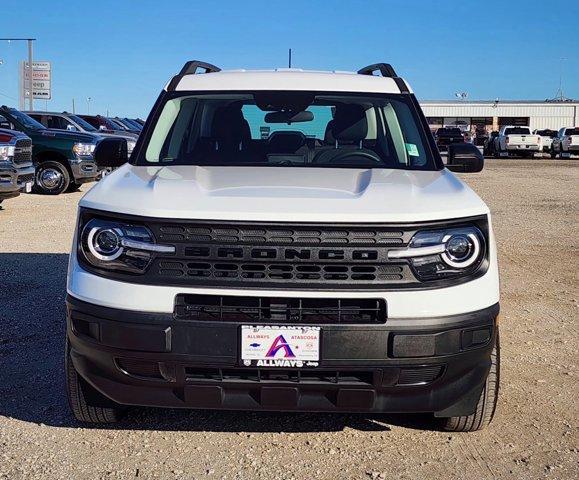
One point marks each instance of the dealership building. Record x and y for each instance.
(492, 115)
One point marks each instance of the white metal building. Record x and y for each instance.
(491, 115)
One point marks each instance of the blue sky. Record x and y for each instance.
(121, 53)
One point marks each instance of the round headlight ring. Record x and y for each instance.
(453, 242)
(105, 243)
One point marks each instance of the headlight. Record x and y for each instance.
(6, 152)
(130, 146)
(83, 149)
(444, 253)
(119, 246)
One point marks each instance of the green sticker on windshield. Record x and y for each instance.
(412, 150)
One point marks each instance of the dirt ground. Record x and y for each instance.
(534, 435)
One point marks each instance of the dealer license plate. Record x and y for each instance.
(280, 346)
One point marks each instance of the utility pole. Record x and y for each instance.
(29, 40)
(73, 110)
(290, 59)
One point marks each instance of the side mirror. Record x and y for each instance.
(71, 128)
(465, 158)
(102, 127)
(111, 153)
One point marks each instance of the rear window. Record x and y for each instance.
(289, 129)
(449, 131)
(517, 131)
(547, 133)
(572, 131)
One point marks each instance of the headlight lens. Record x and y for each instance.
(83, 149)
(119, 246)
(444, 253)
(6, 152)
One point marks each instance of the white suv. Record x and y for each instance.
(285, 240)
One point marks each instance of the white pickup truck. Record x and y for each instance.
(517, 141)
(547, 137)
(566, 143)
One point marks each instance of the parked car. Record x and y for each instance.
(489, 144)
(16, 167)
(106, 125)
(73, 123)
(446, 136)
(566, 143)
(220, 269)
(515, 141)
(139, 121)
(63, 160)
(129, 125)
(546, 139)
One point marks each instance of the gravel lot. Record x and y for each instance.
(534, 435)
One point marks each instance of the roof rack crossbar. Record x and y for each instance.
(385, 70)
(191, 67)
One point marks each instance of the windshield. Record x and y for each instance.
(302, 129)
(83, 123)
(572, 131)
(25, 120)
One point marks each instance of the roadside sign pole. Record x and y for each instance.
(30, 95)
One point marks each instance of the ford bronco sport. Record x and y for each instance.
(285, 240)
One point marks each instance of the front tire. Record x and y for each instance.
(87, 405)
(52, 178)
(487, 403)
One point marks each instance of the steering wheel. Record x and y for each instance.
(353, 153)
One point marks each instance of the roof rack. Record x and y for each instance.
(385, 70)
(190, 68)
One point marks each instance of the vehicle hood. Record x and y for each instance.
(286, 194)
(66, 135)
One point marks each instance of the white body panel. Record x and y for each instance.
(288, 80)
(285, 194)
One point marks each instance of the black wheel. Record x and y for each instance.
(73, 187)
(52, 178)
(487, 404)
(87, 405)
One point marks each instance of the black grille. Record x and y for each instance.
(270, 235)
(197, 375)
(23, 151)
(22, 179)
(264, 255)
(419, 375)
(280, 310)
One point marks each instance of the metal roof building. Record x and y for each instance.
(491, 115)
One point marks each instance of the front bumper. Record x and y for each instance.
(403, 365)
(13, 179)
(84, 171)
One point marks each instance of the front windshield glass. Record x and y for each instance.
(304, 129)
(83, 123)
(25, 120)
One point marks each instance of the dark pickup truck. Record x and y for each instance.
(63, 160)
(448, 136)
(16, 168)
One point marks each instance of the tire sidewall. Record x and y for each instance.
(63, 183)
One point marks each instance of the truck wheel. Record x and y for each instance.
(487, 404)
(52, 178)
(87, 405)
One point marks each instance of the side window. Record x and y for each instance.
(261, 130)
(5, 123)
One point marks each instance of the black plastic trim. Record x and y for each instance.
(481, 221)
